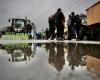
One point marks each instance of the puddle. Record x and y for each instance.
(49, 61)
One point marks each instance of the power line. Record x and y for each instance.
(75, 7)
(69, 4)
(79, 6)
(87, 5)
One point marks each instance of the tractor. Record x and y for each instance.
(21, 26)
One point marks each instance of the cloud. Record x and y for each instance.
(39, 10)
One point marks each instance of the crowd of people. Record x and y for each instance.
(57, 22)
(76, 27)
(74, 23)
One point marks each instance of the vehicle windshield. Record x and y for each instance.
(19, 23)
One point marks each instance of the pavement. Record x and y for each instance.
(47, 41)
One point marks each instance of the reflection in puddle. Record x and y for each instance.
(20, 51)
(50, 61)
(56, 55)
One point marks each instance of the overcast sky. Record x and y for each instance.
(39, 10)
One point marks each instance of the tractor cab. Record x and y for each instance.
(18, 25)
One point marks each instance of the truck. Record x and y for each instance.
(93, 21)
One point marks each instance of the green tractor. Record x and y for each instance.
(21, 28)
